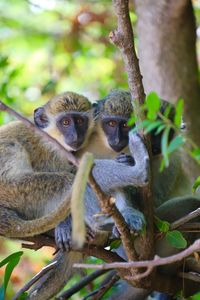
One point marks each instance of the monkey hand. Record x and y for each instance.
(63, 234)
(125, 159)
(134, 219)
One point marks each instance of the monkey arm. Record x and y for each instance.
(112, 175)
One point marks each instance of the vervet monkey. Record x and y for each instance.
(35, 181)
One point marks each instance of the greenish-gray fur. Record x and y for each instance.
(117, 102)
(68, 101)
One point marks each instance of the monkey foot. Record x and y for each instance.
(63, 235)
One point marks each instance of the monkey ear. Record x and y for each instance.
(40, 118)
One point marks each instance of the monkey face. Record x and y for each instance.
(116, 131)
(74, 127)
(69, 128)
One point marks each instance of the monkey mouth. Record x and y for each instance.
(75, 146)
(118, 148)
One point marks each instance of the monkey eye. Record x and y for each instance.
(112, 123)
(125, 125)
(65, 122)
(79, 121)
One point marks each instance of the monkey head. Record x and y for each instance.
(67, 117)
(113, 113)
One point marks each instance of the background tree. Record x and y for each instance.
(51, 46)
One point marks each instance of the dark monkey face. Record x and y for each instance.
(116, 130)
(73, 127)
(69, 128)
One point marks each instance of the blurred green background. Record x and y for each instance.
(51, 46)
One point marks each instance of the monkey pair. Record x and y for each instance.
(35, 181)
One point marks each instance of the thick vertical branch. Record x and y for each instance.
(124, 39)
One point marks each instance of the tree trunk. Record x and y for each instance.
(167, 53)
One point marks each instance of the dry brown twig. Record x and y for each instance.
(40, 274)
(194, 214)
(157, 261)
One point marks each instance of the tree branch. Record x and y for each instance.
(194, 214)
(123, 38)
(27, 286)
(79, 285)
(146, 264)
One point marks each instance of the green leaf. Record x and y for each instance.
(195, 296)
(115, 244)
(160, 128)
(196, 154)
(164, 146)
(153, 105)
(176, 239)
(10, 257)
(196, 184)
(162, 226)
(162, 165)
(23, 296)
(167, 110)
(11, 261)
(142, 124)
(9, 268)
(2, 293)
(176, 143)
(132, 120)
(152, 126)
(179, 113)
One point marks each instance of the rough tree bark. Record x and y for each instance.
(167, 52)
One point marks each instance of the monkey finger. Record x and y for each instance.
(125, 159)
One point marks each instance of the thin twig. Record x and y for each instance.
(194, 214)
(141, 275)
(27, 286)
(104, 288)
(79, 285)
(191, 276)
(149, 263)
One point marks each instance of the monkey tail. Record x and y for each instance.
(26, 228)
(52, 282)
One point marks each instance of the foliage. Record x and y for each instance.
(161, 124)
(53, 46)
(11, 261)
(173, 237)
